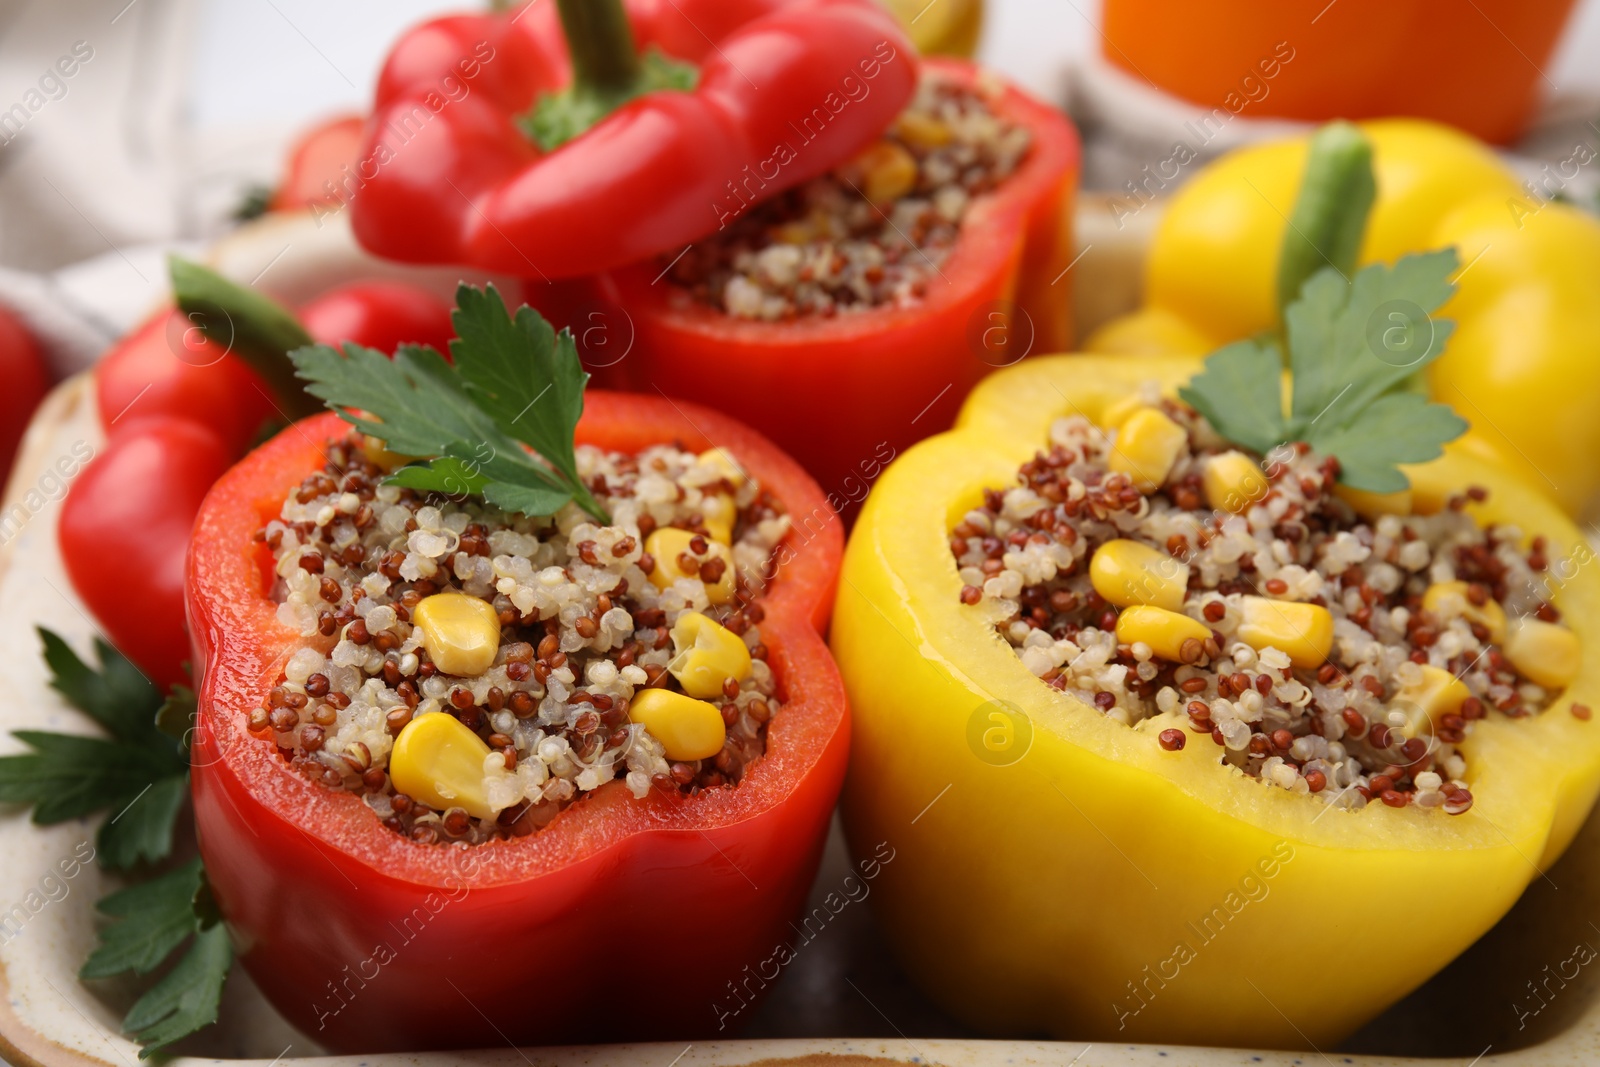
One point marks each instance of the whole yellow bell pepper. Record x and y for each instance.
(1524, 364)
(1059, 872)
(940, 27)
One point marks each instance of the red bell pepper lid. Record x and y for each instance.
(495, 144)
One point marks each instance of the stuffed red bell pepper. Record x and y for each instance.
(490, 740)
(552, 144)
(869, 301)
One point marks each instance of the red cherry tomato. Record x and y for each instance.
(317, 159)
(143, 377)
(381, 315)
(25, 383)
(124, 535)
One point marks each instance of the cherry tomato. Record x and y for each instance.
(380, 315)
(124, 534)
(144, 377)
(318, 158)
(25, 383)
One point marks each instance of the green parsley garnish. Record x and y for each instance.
(514, 382)
(1356, 344)
(139, 776)
(154, 920)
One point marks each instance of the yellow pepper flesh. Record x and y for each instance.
(1078, 879)
(1524, 364)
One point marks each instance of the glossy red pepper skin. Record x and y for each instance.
(317, 170)
(26, 381)
(379, 314)
(167, 369)
(121, 529)
(844, 394)
(448, 177)
(369, 941)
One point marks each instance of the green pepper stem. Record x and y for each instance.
(600, 42)
(256, 328)
(1330, 214)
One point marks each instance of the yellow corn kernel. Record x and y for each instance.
(1439, 693)
(1304, 632)
(1116, 413)
(1127, 573)
(719, 511)
(1545, 653)
(687, 728)
(1233, 482)
(440, 762)
(1148, 444)
(1164, 631)
(922, 130)
(1449, 600)
(722, 461)
(460, 632)
(887, 172)
(795, 233)
(1373, 506)
(708, 655)
(378, 454)
(669, 542)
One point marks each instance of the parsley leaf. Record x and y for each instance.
(1238, 390)
(139, 776)
(1396, 428)
(1354, 349)
(187, 998)
(1349, 343)
(154, 919)
(514, 382)
(118, 696)
(142, 829)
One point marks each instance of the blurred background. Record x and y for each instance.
(177, 110)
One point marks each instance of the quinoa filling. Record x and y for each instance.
(588, 620)
(873, 233)
(1326, 650)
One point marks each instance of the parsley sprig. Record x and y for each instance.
(138, 776)
(153, 921)
(1356, 344)
(514, 382)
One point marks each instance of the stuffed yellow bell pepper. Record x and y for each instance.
(1524, 364)
(1060, 872)
(1201, 709)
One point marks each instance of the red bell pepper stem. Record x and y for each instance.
(600, 42)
